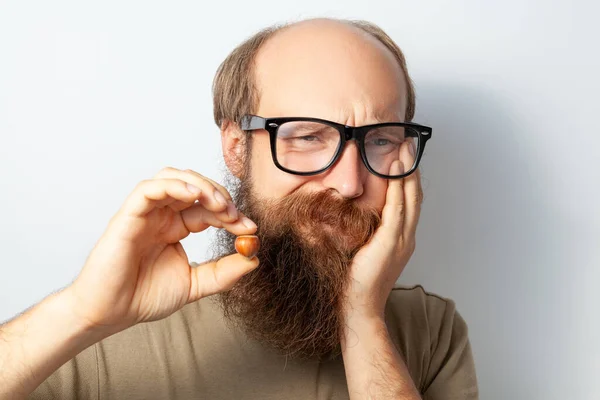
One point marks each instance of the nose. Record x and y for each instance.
(347, 174)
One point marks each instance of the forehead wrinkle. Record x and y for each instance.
(362, 114)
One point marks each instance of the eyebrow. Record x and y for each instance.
(312, 129)
(375, 118)
(383, 118)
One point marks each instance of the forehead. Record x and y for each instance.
(332, 71)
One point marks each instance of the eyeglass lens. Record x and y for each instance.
(306, 146)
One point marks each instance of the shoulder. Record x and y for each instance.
(433, 337)
(424, 308)
(416, 295)
(413, 309)
(427, 328)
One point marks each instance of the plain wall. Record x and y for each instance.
(94, 98)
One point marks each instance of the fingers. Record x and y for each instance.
(402, 208)
(149, 193)
(413, 197)
(220, 188)
(197, 218)
(218, 276)
(213, 196)
(392, 215)
(180, 190)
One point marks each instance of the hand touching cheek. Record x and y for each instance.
(378, 265)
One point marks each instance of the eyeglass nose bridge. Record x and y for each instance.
(351, 132)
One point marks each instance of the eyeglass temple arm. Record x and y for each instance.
(253, 122)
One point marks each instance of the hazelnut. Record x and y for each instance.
(247, 245)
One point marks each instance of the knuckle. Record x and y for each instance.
(406, 245)
(142, 184)
(196, 178)
(399, 210)
(166, 171)
(195, 174)
(227, 194)
(412, 246)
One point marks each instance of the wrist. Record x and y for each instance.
(361, 331)
(82, 327)
(362, 320)
(363, 308)
(365, 301)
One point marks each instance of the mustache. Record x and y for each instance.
(305, 214)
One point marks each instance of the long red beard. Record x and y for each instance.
(292, 301)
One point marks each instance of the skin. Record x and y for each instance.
(144, 270)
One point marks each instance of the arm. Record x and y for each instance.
(38, 342)
(374, 368)
(137, 272)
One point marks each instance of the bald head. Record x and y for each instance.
(329, 69)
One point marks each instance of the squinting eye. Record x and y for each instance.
(380, 142)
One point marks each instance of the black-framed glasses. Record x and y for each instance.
(310, 146)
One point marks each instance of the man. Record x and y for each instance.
(315, 314)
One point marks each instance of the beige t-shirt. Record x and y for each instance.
(195, 354)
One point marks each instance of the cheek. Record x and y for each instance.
(375, 192)
(268, 180)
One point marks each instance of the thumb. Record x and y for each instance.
(218, 276)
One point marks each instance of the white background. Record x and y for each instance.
(94, 98)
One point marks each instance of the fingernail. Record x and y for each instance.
(232, 211)
(220, 198)
(192, 188)
(248, 223)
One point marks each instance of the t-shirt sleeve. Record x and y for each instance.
(451, 374)
(76, 379)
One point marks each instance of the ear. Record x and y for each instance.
(233, 143)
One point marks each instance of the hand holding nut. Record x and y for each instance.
(247, 245)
